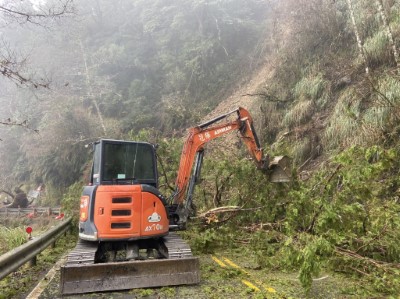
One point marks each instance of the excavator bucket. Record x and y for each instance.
(279, 168)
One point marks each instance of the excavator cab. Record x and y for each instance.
(124, 163)
(124, 239)
(122, 202)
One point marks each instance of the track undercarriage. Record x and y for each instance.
(93, 268)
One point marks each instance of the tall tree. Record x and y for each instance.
(389, 33)
(358, 36)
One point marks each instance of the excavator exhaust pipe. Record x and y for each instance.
(279, 169)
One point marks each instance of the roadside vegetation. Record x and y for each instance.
(11, 238)
(12, 230)
(21, 282)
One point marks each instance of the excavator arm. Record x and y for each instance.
(193, 152)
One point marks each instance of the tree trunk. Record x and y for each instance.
(388, 32)
(90, 91)
(359, 42)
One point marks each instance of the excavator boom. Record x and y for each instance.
(193, 152)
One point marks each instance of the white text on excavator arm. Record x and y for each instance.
(193, 152)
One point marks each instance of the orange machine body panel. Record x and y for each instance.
(127, 212)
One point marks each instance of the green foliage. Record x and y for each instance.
(367, 17)
(351, 210)
(168, 155)
(390, 88)
(311, 257)
(168, 292)
(71, 201)
(52, 197)
(364, 122)
(301, 150)
(343, 126)
(11, 238)
(209, 240)
(20, 282)
(377, 48)
(344, 218)
(146, 293)
(310, 87)
(300, 113)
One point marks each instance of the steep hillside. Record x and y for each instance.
(331, 102)
(245, 94)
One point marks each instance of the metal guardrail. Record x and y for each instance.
(25, 211)
(15, 258)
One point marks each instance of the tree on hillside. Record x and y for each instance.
(389, 33)
(358, 37)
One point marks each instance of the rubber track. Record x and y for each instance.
(177, 248)
(84, 252)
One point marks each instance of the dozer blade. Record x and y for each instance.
(129, 275)
(81, 274)
(279, 168)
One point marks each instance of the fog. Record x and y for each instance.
(73, 72)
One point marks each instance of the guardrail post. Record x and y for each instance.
(33, 261)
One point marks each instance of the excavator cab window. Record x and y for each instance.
(122, 163)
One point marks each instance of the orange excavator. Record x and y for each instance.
(127, 227)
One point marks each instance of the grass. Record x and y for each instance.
(301, 150)
(390, 88)
(377, 117)
(308, 92)
(310, 87)
(12, 230)
(20, 282)
(11, 238)
(298, 114)
(376, 48)
(351, 125)
(343, 124)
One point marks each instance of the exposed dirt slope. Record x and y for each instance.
(242, 95)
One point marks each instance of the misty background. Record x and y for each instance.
(113, 67)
